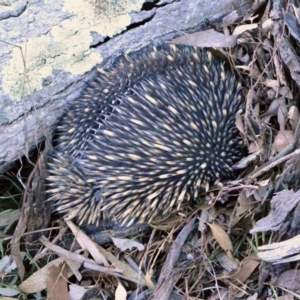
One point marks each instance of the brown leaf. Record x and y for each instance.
(244, 204)
(87, 243)
(38, 280)
(125, 244)
(127, 270)
(283, 139)
(256, 145)
(222, 238)
(57, 285)
(286, 92)
(272, 83)
(248, 265)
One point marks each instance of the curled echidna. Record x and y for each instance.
(146, 136)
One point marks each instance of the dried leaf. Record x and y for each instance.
(242, 28)
(272, 83)
(9, 291)
(5, 267)
(230, 18)
(239, 124)
(148, 279)
(38, 280)
(293, 116)
(57, 285)
(120, 293)
(283, 139)
(125, 244)
(7, 218)
(289, 279)
(222, 238)
(127, 270)
(286, 92)
(273, 108)
(243, 57)
(248, 265)
(207, 38)
(87, 243)
(208, 214)
(77, 291)
(282, 116)
(256, 145)
(267, 25)
(264, 187)
(244, 204)
(253, 73)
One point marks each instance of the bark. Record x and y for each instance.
(48, 49)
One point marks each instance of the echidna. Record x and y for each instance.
(146, 136)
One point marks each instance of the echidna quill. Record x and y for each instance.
(146, 136)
